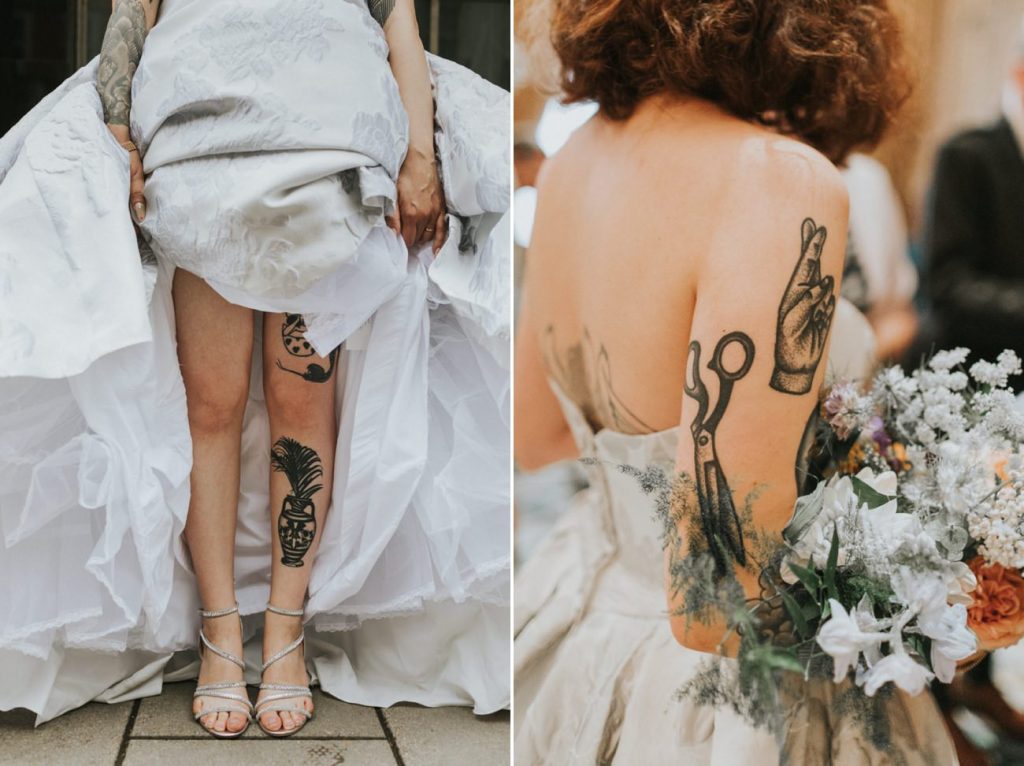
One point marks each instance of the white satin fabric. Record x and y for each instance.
(597, 669)
(408, 597)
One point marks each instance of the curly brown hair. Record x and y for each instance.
(829, 72)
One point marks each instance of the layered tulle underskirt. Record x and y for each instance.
(408, 598)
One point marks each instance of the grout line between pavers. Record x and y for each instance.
(203, 737)
(390, 735)
(122, 750)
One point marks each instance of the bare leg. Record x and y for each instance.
(299, 387)
(215, 352)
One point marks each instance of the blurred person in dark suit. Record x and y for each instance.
(974, 277)
(974, 233)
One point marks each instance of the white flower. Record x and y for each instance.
(870, 536)
(960, 583)
(952, 640)
(901, 669)
(947, 360)
(844, 636)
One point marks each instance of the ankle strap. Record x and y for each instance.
(218, 612)
(285, 612)
(284, 652)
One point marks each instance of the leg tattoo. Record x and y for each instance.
(296, 526)
(293, 334)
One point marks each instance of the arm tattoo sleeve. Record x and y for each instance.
(381, 9)
(119, 57)
(720, 523)
(805, 316)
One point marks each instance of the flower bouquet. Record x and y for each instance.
(902, 563)
(920, 529)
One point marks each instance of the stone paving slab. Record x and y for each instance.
(93, 733)
(449, 736)
(287, 752)
(170, 715)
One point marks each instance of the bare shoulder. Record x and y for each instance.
(779, 185)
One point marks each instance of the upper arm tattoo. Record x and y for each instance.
(805, 316)
(720, 523)
(381, 9)
(119, 58)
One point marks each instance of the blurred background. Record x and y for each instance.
(935, 256)
(44, 41)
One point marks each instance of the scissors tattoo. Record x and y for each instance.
(719, 520)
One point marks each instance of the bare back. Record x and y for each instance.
(684, 270)
(629, 215)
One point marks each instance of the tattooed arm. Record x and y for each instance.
(759, 335)
(420, 217)
(130, 22)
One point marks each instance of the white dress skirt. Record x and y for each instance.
(272, 133)
(597, 669)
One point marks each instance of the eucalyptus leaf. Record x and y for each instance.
(796, 613)
(867, 494)
(808, 577)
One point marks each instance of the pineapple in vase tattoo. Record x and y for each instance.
(296, 526)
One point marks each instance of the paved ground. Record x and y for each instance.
(159, 730)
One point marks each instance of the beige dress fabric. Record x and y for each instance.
(597, 668)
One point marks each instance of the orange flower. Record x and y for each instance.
(997, 614)
(899, 455)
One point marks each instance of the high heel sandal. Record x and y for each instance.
(275, 702)
(220, 689)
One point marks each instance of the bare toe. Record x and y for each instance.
(236, 722)
(289, 720)
(272, 721)
(222, 721)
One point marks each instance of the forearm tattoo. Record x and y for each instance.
(119, 58)
(584, 373)
(719, 521)
(296, 525)
(293, 335)
(381, 9)
(805, 316)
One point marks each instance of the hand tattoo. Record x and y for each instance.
(719, 521)
(293, 333)
(296, 525)
(381, 9)
(805, 316)
(119, 58)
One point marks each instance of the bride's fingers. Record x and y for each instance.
(440, 231)
(394, 222)
(137, 197)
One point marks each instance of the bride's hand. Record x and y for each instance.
(420, 217)
(136, 196)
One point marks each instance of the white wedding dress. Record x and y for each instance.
(272, 133)
(596, 666)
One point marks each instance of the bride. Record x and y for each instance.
(295, 400)
(680, 291)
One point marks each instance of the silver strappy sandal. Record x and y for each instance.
(281, 693)
(234, 702)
